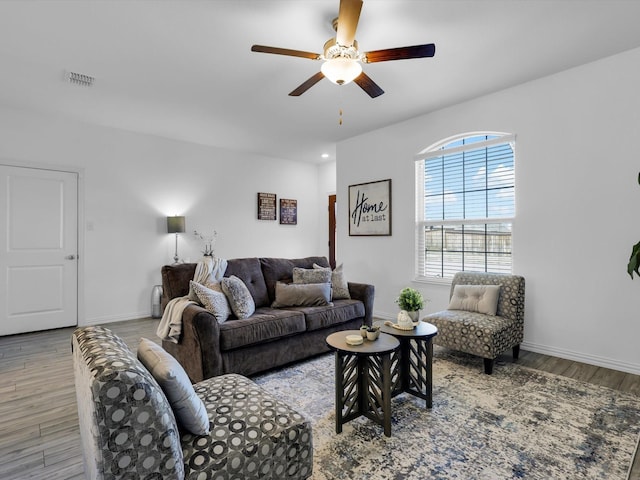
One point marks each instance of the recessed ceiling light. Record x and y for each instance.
(325, 155)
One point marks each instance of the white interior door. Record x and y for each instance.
(38, 249)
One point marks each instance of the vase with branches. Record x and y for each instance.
(209, 242)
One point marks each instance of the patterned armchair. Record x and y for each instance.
(478, 333)
(129, 430)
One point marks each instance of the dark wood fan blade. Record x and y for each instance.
(307, 85)
(285, 51)
(368, 85)
(401, 53)
(348, 17)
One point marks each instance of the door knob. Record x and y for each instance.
(70, 257)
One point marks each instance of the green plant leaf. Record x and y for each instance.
(634, 261)
(410, 299)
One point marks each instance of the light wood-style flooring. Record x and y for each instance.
(39, 435)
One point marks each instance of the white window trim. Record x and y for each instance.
(434, 151)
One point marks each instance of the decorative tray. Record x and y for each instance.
(401, 327)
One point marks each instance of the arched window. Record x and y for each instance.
(465, 205)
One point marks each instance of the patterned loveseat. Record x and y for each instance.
(128, 429)
(482, 334)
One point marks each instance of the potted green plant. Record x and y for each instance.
(634, 259)
(410, 300)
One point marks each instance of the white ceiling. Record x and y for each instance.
(184, 69)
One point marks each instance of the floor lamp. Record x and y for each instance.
(175, 225)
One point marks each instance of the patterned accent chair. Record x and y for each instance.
(479, 333)
(128, 429)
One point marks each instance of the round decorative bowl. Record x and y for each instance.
(354, 339)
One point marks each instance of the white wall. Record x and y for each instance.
(132, 182)
(577, 204)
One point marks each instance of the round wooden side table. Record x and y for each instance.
(414, 365)
(363, 378)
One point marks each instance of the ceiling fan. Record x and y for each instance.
(341, 57)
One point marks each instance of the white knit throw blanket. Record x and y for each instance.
(209, 270)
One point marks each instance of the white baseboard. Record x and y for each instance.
(560, 352)
(113, 318)
(582, 357)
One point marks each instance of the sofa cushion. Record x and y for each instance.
(253, 435)
(265, 324)
(512, 287)
(310, 275)
(213, 299)
(341, 312)
(302, 295)
(248, 270)
(186, 405)
(475, 298)
(339, 284)
(239, 297)
(475, 333)
(281, 270)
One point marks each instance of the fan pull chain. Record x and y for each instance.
(340, 119)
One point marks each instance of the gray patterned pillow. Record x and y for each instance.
(213, 299)
(302, 295)
(186, 405)
(239, 297)
(311, 275)
(339, 284)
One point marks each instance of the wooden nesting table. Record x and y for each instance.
(412, 372)
(363, 378)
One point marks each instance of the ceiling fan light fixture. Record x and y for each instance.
(341, 70)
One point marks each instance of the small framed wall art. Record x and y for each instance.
(266, 206)
(370, 208)
(288, 211)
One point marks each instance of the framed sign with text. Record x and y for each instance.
(288, 211)
(370, 208)
(266, 206)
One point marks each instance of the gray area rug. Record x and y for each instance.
(516, 423)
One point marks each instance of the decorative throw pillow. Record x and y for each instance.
(311, 275)
(239, 297)
(475, 298)
(188, 408)
(213, 299)
(302, 295)
(338, 282)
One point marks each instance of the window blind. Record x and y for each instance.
(465, 204)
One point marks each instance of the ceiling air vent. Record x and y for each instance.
(80, 79)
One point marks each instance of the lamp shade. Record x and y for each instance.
(341, 70)
(175, 224)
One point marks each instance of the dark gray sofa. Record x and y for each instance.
(271, 337)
